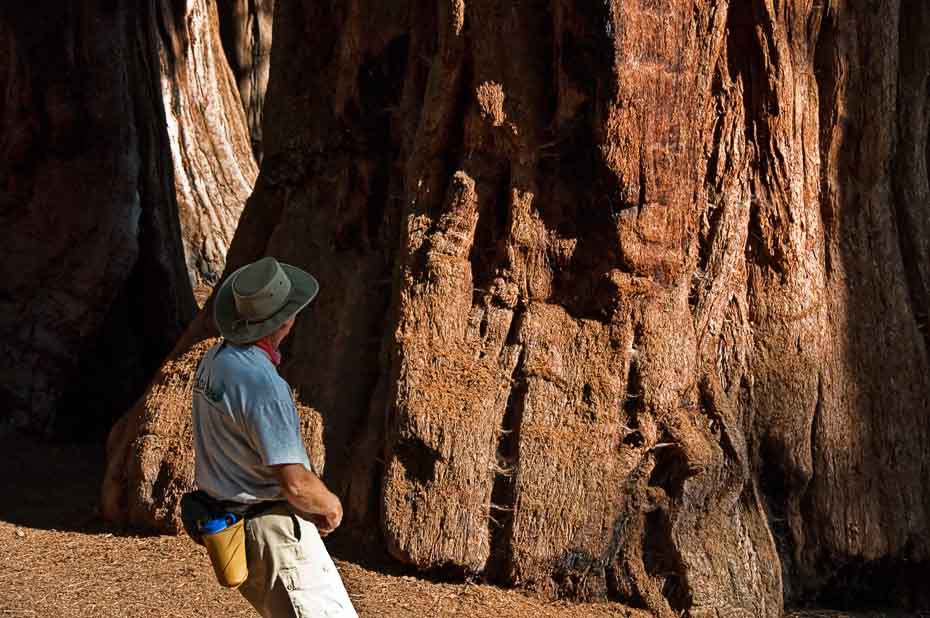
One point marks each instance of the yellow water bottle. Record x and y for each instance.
(224, 538)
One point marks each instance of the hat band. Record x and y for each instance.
(250, 308)
(246, 322)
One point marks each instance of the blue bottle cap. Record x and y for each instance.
(212, 526)
(217, 524)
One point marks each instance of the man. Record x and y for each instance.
(249, 452)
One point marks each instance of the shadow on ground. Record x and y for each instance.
(49, 485)
(54, 486)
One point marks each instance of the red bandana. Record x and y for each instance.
(274, 354)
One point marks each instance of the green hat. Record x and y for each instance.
(258, 298)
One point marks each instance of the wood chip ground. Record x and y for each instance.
(57, 559)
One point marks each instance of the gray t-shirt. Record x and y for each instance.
(244, 421)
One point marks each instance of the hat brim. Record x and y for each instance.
(304, 288)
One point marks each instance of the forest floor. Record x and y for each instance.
(58, 559)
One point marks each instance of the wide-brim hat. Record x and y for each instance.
(258, 298)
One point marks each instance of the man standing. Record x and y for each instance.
(249, 452)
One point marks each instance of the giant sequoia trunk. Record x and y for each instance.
(102, 205)
(214, 170)
(621, 299)
(94, 292)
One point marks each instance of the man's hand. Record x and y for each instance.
(326, 524)
(310, 497)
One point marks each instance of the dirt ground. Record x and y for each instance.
(58, 559)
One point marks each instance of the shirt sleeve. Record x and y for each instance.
(274, 431)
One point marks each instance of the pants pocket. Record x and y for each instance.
(316, 590)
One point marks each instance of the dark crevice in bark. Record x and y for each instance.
(170, 20)
(362, 483)
(744, 61)
(377, 203)
(710, 227)
(753, 58)
(417, 458)
(719, 95)
(662, 560)
(785, 498)
(633, 403)
(775, 494)
(492, 230)
(612, 574)
(571, 158)
(671, 469)
(911, 212)
(379, 98)
(253, 10)
(576, 573)
(825, 75)
(714, 216)
(591, 217)
(503, 494)
(585, 195)
(713, 213)
(625, 573)
(592, 66)
(758, 251)
(452, 152)
(791, 552)
(377, 82)
(712, 404)
(660, 551)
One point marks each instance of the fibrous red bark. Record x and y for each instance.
(617, 300)
(214, 170)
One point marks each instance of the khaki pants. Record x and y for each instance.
(290, 572)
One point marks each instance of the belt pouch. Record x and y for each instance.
(226, 547)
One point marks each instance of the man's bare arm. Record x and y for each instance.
(309, 496)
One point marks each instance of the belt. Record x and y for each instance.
(247, 510)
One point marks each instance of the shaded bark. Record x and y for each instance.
(101, 201)
(245, 26)
(622, 300)
(865, 508)
(94, 292)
